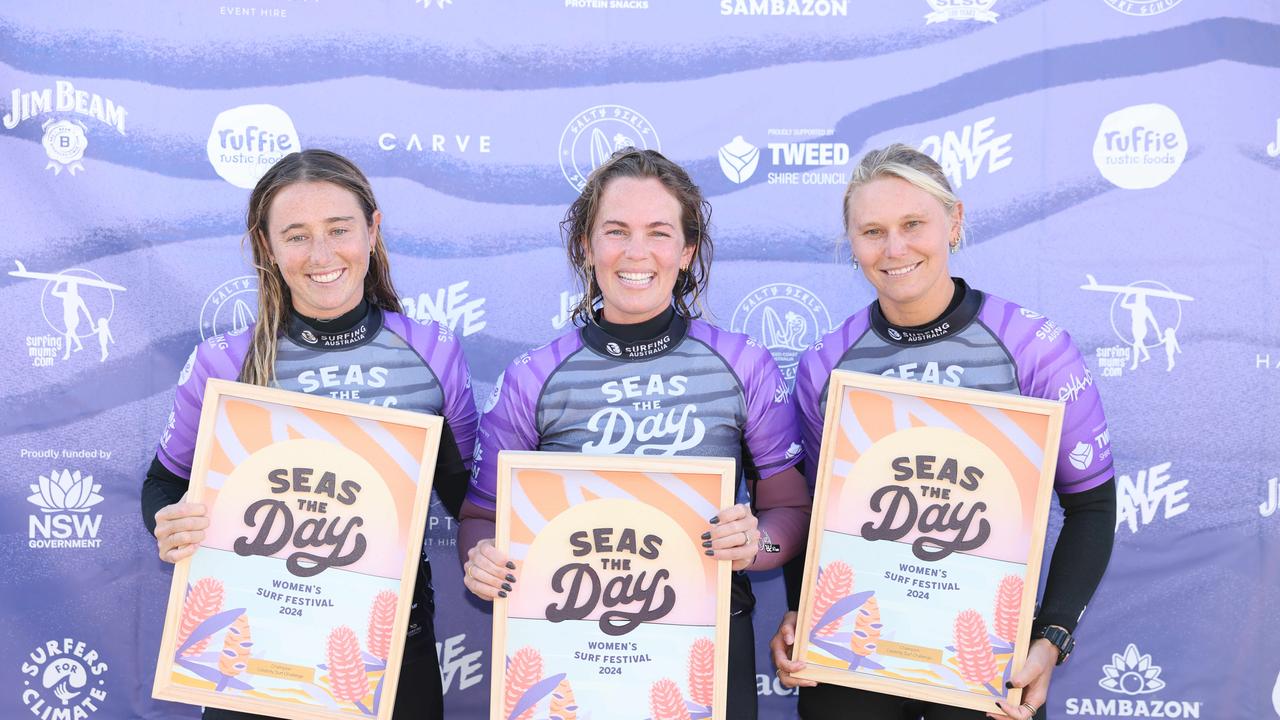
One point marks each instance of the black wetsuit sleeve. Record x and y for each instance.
(1080, 556)
(161, 489)
(452, 475)
(792, 579)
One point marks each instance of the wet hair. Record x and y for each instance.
(274, 298)
(695, 219)
(905, 163)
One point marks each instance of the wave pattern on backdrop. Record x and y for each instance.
(1118, 159)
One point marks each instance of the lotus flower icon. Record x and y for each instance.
(65, 490)
(1131, 673)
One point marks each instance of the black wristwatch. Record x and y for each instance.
(1061, 639)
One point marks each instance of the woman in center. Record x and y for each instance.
(637, 238)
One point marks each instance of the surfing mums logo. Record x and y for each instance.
(65, 136)
(1145, 315)
(78, 305)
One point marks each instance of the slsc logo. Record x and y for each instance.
(65, 138)
(598, 132)
(786, 319)
(64, 680)
(246, 141)
(1145, 315)
(1131, 675)
(1140, 147)
(944, 10)
(66, 518)
(450, 306)
(963, 154)
(1142, 7)
(1139, 498)
(231, 308)
(77, 305)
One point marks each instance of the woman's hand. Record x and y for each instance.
(780, 649)
(733, 536)
(488, 573)
(180, 529)
(1033, 678)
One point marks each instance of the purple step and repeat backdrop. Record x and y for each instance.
(1119, 160)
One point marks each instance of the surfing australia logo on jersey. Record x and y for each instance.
(640, 412)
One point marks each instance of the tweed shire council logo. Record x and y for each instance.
(786, 319)
(598, 132)
(231, 308)
(65, 679)
(1131, 675)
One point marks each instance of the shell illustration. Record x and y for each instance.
(204, 600)
(1008, 599)
(973, 648)
(702, 667)
(665, 701)
(235, 647)
(835, 581)
(382, 618)
(563, 706)
(347, 676)
(866, 628)
(524, 670)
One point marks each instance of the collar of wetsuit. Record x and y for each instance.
(963, 308)
(350, 329)
(636, 341)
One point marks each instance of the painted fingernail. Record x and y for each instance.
(1009, 684)
(511, 565)
(706, 543)
(715, 519)
(711, 553)
(502, 593)
(706, 535)
(511, 578)
(506, 586)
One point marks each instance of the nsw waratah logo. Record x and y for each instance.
(1140, 147)
(739, 160)
(246, 141)
(598, 132)
(1131, 673)
(66, 490)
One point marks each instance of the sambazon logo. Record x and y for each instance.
(65, 680)
(450, 306)
(247, 140)
(77, 304)
(658, 428)
(1140, 497)
(964, 154)
(785, 318)
(230, 308)
(943, 10)
(66, 518)
(596, 133)
(65, 138)
(1140, 147)
(802, 8)
(1131, 675)
(1145, 314)
(1070, 391)
(1142, 7)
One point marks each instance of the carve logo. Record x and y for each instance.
(246, 141)
(451, 306)
(793, 8)
(64, 680)
(786, 319)
(1143, 7)
(65, 138)
(596, 133)
(1144, 315)
(739, 160)
(1140, 147)
(943, 10)
(231, 308)
(962, 155)
(1140, 497)
(77, 304)
(1132, 675)
(66, 519)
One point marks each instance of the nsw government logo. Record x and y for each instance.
(1140, 147)
(598, 132)
(77, 304)
(739, 159)
(1145, 315)
(944, 10)
(1143, 7)
(231, 308)
(1132, 675)
(245, 141)
(65, 138)
(786, 319)
(66, 518)
(64, 680)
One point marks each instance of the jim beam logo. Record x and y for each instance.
(65, 678)
(79, 307)
(62, 110)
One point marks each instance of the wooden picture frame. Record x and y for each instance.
(630, 528)
(296, 604)
(926, 539)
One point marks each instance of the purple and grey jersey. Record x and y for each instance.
(694, 390)
(385, 359)
(984, 343)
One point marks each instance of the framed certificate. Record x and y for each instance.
(296, 603)
(618, 611)
(927, 533)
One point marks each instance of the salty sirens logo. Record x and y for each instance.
(245, 141)
(1143, 7)
(786, 319)
(963, 154)
(1132, 674)
(231, 308)
(1140, 147)
(65, 138)
(598, 132)
(943, 10)
(795, 8)
(1145, 315)
(65, 680)
(739, 160)
(66, 518)
(77, 305)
